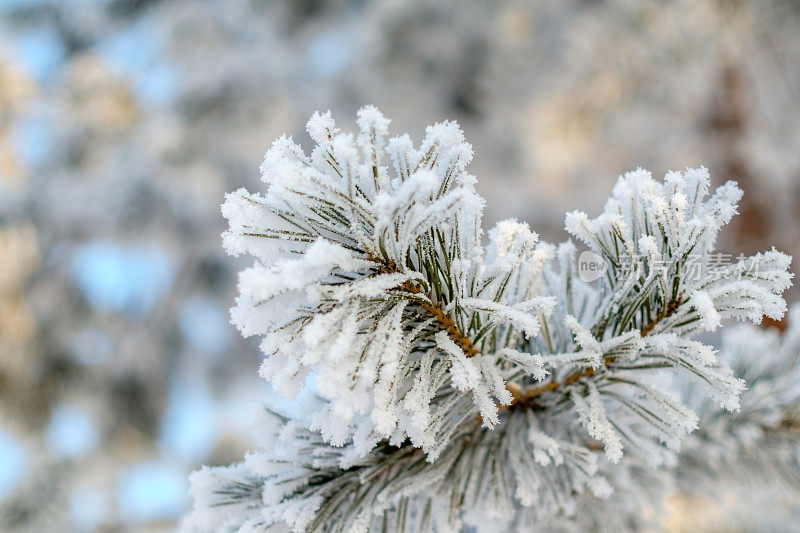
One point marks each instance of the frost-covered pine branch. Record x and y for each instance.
(758, 445)
(459, 381)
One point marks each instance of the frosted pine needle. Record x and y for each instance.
(455, 378)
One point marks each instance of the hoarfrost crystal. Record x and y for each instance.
(460, 379)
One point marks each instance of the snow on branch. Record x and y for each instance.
(358, 256)
(461, 381)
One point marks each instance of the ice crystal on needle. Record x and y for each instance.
(369, 263)
(460, 379)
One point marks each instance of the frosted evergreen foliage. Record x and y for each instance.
(464, 381)
(757, 446)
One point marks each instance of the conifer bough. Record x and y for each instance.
(457, 382)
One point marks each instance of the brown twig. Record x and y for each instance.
(525, 397)
(435, 310)
(519, 397)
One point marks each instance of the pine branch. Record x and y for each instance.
(435, 310)
(373, 282)
(526, 397)
(761, 443)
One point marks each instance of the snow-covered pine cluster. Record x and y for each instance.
(456, 382)
(757, 445)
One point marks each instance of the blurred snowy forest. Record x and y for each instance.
(123, 123)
